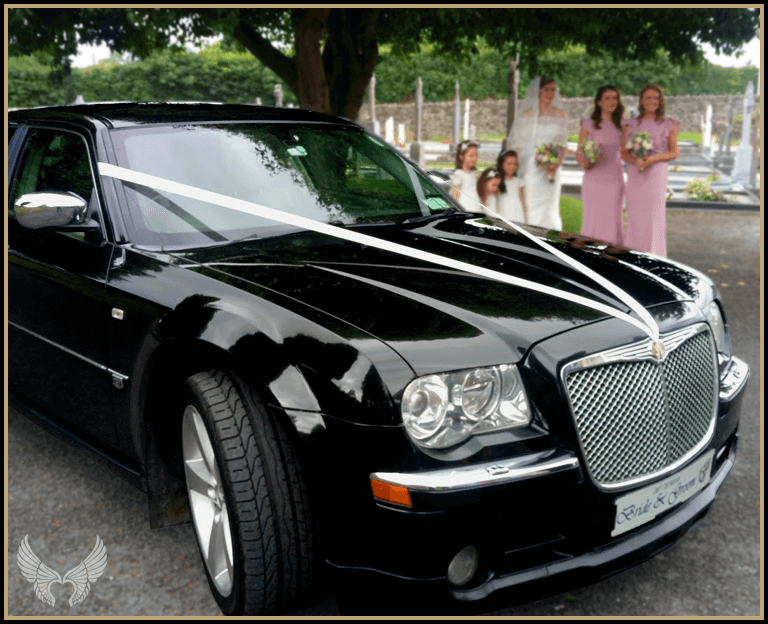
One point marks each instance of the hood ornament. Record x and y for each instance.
(659, 351)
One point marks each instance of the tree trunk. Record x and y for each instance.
(330, 81)
(312, 89)
(350, 57)
(267, 54)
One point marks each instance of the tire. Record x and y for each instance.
(248, 501)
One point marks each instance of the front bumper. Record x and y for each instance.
(539, 525)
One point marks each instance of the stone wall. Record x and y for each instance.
(489, 116)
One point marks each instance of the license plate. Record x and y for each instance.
(637, 508)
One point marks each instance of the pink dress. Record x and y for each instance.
(602, 190)
(646, 191)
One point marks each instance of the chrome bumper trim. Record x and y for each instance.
(734, 379)
(489, 474)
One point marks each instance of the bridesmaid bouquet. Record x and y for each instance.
(547, 155)
(591, 149)
(640, 145)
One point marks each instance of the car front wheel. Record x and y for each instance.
(249, 505)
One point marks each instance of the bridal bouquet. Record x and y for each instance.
(640, 144)
(591, 149)
(547, 155)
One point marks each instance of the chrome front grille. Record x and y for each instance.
(638, 414)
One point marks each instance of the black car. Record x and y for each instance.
(276, 316)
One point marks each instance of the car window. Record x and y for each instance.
(53, 160)
(57, 160)
(319, 171)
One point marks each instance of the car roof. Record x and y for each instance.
(124, 114)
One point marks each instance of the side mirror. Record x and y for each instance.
(64, 210)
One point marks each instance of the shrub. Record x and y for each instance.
(701, 190)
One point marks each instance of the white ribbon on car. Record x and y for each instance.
(649, 326)
(632, 304)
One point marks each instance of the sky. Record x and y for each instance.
(751, 54)
(89, 55)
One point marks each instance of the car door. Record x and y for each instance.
(57, 309)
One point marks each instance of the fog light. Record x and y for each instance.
(463, 566)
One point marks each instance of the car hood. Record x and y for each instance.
(441, 319)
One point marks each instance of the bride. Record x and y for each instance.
(541, 121)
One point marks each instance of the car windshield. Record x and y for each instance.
(325, 172)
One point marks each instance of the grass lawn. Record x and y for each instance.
(696, 137)
(690, 136)
(571, 212)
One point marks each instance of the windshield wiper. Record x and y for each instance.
(166, 202)
(432, 217)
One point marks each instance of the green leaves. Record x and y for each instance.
(578, 73)
(701, 190)
(216, 74)
(582, 48)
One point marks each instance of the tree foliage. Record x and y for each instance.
(215, 74)
(579, 74)
(30, 82)
(221, 75)
(334, 51)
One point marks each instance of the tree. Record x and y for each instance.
(328, 55)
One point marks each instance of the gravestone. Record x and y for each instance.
(278, 96)
(466, 119)
(389, 130)
(514, 81)
(721, 133)
(743, 163)
(417, 147)
(707, 129)
(372, 98)
(755, 140)
(456, 120)
(729, 129)
(419, 109)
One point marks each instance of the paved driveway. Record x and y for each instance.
(62, 499)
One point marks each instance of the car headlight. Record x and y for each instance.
(442, 410)
(715, 318)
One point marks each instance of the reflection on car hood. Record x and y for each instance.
(442, 319)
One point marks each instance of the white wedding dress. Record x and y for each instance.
(542, 197)
(531, 130)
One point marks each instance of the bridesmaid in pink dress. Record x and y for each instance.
(602, 190)
(646, 190)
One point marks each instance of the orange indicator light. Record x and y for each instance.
(391, 493)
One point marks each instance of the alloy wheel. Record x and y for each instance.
(207, 502)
